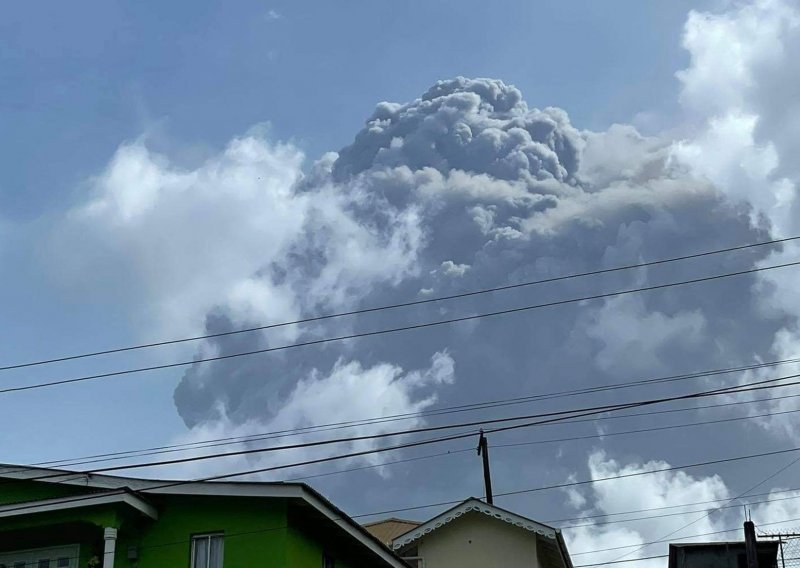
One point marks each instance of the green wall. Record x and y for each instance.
(255, 532)
(305, 551)
(82, 527)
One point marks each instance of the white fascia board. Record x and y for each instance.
(62, 504)
(99, 481)
(224, 489)
(349, 526)
(465, 507)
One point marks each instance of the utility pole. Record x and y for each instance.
(483, 450)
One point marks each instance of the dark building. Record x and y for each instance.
(721, 555)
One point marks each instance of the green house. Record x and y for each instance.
(57, 519)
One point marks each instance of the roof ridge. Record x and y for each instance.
(393, 519)
(474, 504)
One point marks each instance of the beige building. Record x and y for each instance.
(474, 534)
(389, 529)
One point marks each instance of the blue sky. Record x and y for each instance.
(77, 81)
(159, 178)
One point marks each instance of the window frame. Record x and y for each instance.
(195, 538)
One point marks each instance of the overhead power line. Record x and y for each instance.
(208, 443)
(689, 504)
(639, 547)
(167, 485)
(67, 474)
(550, 441)
(417, 326)
(629, 560)
(551, 416)
(536, 442)
(664, 540)
(554, 417)
(651, 517)
(731, 500)
(395, 306)
(587, 481)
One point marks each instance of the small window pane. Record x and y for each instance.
(200, 552)
(62, 562)
(44, 563)
(207, 551)
(215, 552)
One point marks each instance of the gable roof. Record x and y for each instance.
(389, 529)
(474, 504)
(108, 485)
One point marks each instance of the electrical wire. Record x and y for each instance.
(550, 441)
(665, 539)
(558, 416)
(709, 513)
(650, 517)
(395, 306)
(424, 442)
(424, 325)
(159, 487)
(665, 507)
(113, 456)
(587, 481)
(622, 561)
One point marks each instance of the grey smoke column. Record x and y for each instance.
(498, 192)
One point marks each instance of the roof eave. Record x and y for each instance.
(443, 518)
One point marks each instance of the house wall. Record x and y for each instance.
(475, 540)
(305, 551)
(255, 533)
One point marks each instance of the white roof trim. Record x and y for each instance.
(61, 504)
(467, 506)
(99, 481)
(353, 529)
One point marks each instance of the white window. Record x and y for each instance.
(207, 551)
